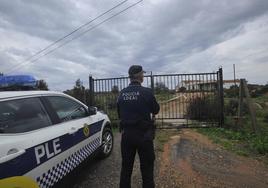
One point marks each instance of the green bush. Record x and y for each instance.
(261, 90)
(231, 108)
(233, 91)
(203, 109)
(265, 118)
(259, 143)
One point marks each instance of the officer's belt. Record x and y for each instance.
(137, 124)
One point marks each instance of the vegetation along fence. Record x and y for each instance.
(186, 100)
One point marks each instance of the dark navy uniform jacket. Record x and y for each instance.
(136, 104)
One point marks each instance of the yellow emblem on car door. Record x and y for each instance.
(86, 130)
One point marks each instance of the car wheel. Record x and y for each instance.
(107, 143)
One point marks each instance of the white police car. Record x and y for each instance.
(44, 135)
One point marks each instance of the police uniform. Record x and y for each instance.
(136, 104)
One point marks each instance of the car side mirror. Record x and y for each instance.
(92, 110)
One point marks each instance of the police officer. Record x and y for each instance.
(136, 107)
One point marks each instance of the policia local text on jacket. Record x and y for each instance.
(136, 104)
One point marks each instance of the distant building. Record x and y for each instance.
(207, 85)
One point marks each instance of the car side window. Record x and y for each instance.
(22, 115)
(67, 109)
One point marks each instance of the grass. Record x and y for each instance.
(261, 99)
(241, 143)
(239, 137)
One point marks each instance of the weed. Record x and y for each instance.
(242, 143)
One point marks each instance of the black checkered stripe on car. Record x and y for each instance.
(57, 172)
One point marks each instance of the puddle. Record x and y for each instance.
(180, 150)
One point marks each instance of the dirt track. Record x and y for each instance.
(191, 160)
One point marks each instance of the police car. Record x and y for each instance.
(44, 135)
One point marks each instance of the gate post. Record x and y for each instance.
(152, 82)
(152, 87)
(221, 95)
(91, 90)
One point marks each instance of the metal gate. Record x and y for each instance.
(186, 100)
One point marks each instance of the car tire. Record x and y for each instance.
(107, 143)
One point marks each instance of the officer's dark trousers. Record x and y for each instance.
(131, 142)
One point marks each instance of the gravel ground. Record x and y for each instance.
(106, 173)
(188, 159)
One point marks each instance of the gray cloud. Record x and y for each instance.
(164, 36)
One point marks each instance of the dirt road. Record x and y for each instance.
(189, 159)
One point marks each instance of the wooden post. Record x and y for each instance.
(250, 107)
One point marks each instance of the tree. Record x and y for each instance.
(79, 92)
(42, 85)
(160, 87)
(78, 83)
(233, 91)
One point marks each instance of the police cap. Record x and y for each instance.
(135, 69)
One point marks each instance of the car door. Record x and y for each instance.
(80, 137)
(84, 129)
(28, 141)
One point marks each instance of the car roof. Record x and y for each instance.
(12, 94)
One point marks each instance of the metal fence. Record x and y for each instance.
(186, 100)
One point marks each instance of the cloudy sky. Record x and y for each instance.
(165, 36)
